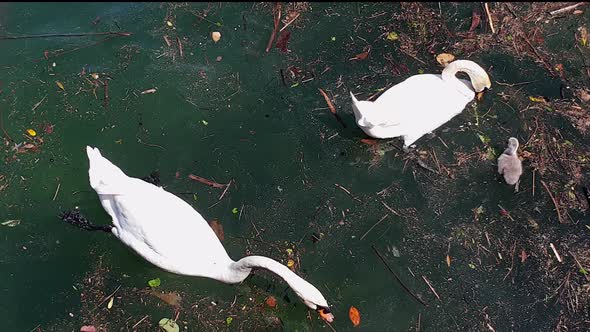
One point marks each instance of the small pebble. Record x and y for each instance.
(219, 57)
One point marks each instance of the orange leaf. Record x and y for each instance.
(355, 316)
(361, 56)
(271, 301)
(328, 101)
(369, 141)
(449, 260)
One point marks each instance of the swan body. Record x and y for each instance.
(169, 233)
(509, 164)
(421, 103)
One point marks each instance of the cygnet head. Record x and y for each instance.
(512, 146)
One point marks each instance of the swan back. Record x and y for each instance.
(159, 226)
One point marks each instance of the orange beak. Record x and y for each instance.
(479, 95)
(328, 317)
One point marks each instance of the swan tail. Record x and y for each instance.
(104, 176)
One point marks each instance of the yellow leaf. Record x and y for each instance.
(445, 58)
(537, 99)
(61, 86)
(31, 132)
(110, 305)
(169, 23)
(392, 36)
(290, 263)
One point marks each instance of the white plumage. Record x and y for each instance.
(169, 233)
(421, 103)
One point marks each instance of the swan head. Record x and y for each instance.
(312, 298)
(362, 112)
(512, 146)
(478, 76)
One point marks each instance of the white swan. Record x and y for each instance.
(169, 233)
(510, 165)
(421, 103)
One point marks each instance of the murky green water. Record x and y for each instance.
(234, 119)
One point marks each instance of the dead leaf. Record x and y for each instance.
(216, 36)
(283, 40)
(449, 260)
(218, 229)
(583, 35)
(584, 95)
(361, 56)
(369, 141)
(475, 20)
(271, 301)
(328, 101)
(445, 58)
(355, 316)
(172, 298)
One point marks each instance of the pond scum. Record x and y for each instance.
(500, 242)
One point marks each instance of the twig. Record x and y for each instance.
(106, 93)
(289, 23)
(489, 17)
(347, 191)
(426, 167)
(554, 201)
(511, 261)
(431, 288)
(555, 252)
(390, 209)
(580, 265)
(68, 35)
(167, 41)
(547, 66)
(507, 213)
(38, 104)
(377, 223)
(277, 19)
(398, 278)
(205, 181)
(141, 320)
(56, 191)
(566, 9)
(77, 48)
(411, 56)
(226, 188)
(179, 46)
(106, 298)
(534, 182)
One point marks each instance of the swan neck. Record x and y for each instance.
(250, 262)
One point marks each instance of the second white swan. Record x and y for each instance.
(421, 103)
